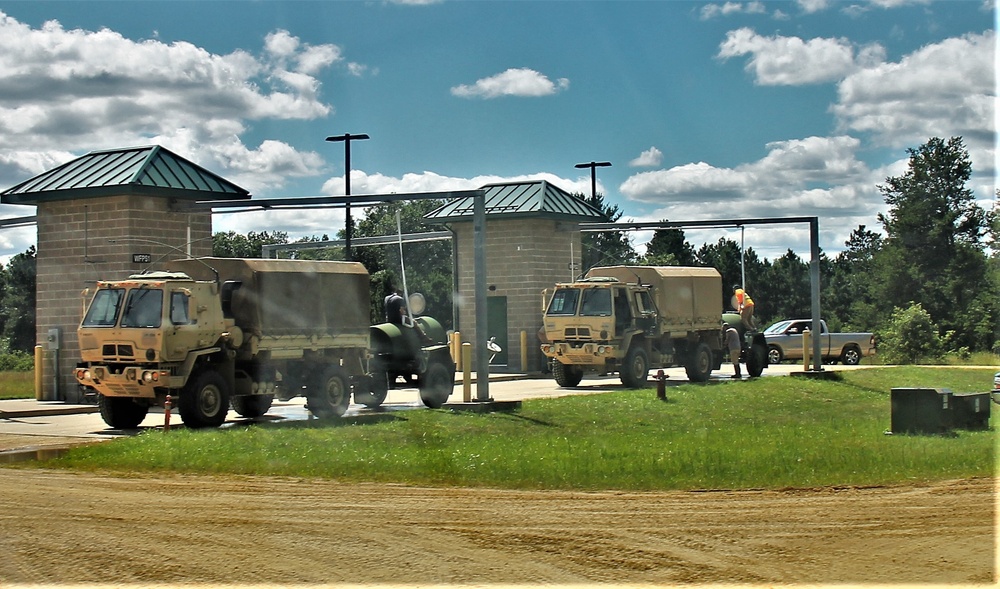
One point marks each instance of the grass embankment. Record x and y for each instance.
(764, 433)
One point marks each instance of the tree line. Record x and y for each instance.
(926, 283)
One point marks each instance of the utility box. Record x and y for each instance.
(971, 410)
(921, 411)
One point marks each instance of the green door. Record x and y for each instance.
(496, 327)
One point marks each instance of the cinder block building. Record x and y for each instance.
(104, 216)
(532, 241)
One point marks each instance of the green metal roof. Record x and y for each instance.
(142, 171)
(537, 199)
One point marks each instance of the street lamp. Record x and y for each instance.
(347, 138)
(593, 175)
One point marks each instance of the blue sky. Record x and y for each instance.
(705, 109)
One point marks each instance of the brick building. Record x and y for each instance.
(532, 241)
(104, 216)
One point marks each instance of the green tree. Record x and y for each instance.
(933, 253)
(18, 302)
(847, 292)
(668, 247)
(236, 245)
(429, 264)
(605, 248)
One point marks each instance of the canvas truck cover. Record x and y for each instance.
(687, 298)
(291, 297)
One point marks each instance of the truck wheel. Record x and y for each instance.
(757, 359)
(436, 385)
(121, 412)
(566, 376)
(774, 355)
(330, 395)
(851, 356)
(252, 405)
(699, 364)
(204, 401)
(635, 370)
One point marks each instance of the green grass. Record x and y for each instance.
(17, 385)
(764, 433)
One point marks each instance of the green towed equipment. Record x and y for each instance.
(418, 353)
(754, 352)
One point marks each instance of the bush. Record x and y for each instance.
(911, 337)
(16, 362)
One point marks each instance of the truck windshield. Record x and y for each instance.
(103, 309)
(596, 302)
(144, 308)
(564, 302)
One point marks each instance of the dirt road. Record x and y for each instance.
(72, 528)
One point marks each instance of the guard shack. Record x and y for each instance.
(107, 215)
(532, 242)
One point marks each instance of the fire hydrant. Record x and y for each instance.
(661, 385)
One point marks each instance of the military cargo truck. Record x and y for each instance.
(628, 319)
(215, 332)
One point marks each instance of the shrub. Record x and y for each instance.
(911, 337)
(16, 362)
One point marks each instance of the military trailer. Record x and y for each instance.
(628, 319)
(215, 332)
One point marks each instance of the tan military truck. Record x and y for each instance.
(212, 332)
(628, 319)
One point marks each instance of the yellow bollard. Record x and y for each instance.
(467, 372)
(39, 368)
(524, 351)
(805, 349)
(456, 349)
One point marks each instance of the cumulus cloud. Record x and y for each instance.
(364, 183)
(941, 90)
(710, 11)
(790, 61)
(64, 92)
(513, 82)
(649, 158)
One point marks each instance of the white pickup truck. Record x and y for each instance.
(784, 342)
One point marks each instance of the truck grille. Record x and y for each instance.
(122, 351)
(577, 333)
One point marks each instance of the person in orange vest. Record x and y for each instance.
(744, 306)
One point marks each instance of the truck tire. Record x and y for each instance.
(851, 356)
(635, 369)
(121, 412)
(774, 355)
(252, 405)
(699, 364)
(756, 359)
(436, 385)
(329, 395)
(204, 402)
(566, 376)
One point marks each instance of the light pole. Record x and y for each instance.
(593, 175)
(347, 138)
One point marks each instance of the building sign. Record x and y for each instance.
(142, 258)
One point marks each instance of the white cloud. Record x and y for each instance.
(363, 183)
(513, 82)
(649, 158)
(941, 90)
(710, 11)
(790, 61)
(65, 92)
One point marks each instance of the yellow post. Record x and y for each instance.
(805, 349)
(39, 367)
(456, 349)
(467, 372)
(524, 351)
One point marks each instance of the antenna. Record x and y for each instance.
(176, 249)
(402, 268)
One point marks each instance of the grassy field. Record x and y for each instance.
(17, 385)
(763, 433)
